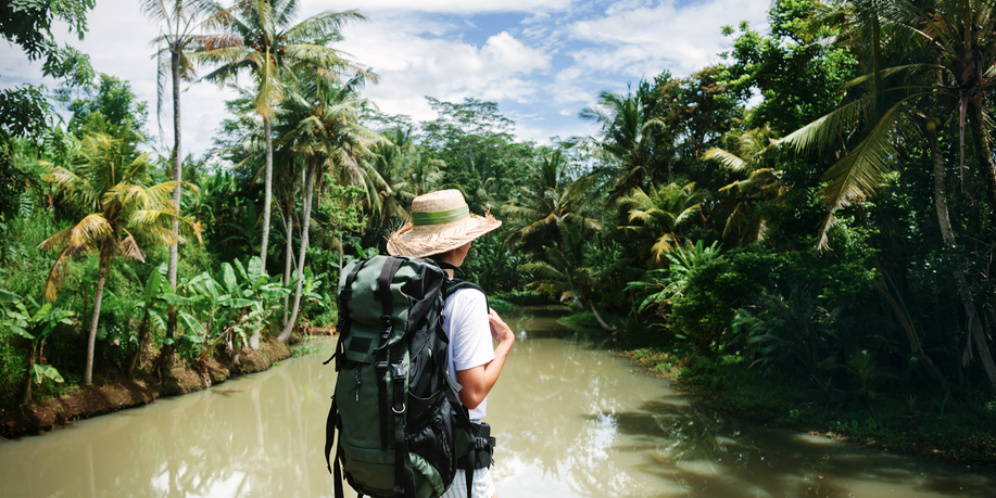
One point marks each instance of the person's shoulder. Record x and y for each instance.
(468, 294)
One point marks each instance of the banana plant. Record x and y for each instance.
(243, 298)
(34, 322)
(152, 316)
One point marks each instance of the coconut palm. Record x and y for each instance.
(942, 59)
(322, 117)
(386, 178)
(108, 184)
(960, 35)
(548, 200)
(662, 214)
(627, 139)
(563, 273)
(262, 42)
(762, 183)
(178, 20)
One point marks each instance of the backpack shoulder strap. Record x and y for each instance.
(456, 284)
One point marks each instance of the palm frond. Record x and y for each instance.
(129, 249)
(728, 160)
(858, 174)
(89, 231)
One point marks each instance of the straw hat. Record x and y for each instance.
(441, 221)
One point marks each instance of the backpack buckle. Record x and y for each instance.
(398, 372)
(385, 320)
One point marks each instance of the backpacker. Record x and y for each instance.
(402, 430)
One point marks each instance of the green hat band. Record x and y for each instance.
(440, 217)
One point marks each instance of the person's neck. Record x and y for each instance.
(449, 271)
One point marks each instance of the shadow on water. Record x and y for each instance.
(571, 421)
(575, 421)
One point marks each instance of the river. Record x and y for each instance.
(571, 421)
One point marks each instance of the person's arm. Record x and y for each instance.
(477, 382)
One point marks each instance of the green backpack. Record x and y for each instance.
(401, 428)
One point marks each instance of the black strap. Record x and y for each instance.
(470, 482)
(330, 424)
(404, 474)
(338, 477)
(452, 285)
(386, 297)
(342, 326)
(446, 266)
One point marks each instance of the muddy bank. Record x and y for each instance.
(89, 401)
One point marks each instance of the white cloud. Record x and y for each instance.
(411, 67)
(681, 38)
(446, 6)
(554, 56)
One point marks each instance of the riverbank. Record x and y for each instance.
(118, 393)
(926, 428)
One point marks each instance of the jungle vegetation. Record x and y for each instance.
(816, 212)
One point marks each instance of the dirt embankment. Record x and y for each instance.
(111, 396)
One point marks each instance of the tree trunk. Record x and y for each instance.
(143, 336)
(27, 374)
(601, 323)
(309, 195)
(95, 318)
(985, 152)
(974, 319)
(267, 189)
(177, 176)
(288, 255)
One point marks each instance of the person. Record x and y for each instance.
(442, 228)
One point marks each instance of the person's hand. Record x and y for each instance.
(500, 330)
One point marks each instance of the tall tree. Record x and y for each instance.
(627, 139)
(323, 120)
(899, 106)
(178, 19)
(662, 214)
(108, 184)
(262, 41)
(548, 200)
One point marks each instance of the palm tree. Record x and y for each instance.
(763, 183)
(627, 139)
(108, 185)
(176, 38)
(323, 117)
(662, 214)
(385, 177)
(548, 200)
(961, 37)
(562, 271)
(262, 42)
(872, 128)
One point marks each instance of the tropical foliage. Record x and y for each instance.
(821, 201)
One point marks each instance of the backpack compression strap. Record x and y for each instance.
(404, 476)
(384, 295)
(344, 298)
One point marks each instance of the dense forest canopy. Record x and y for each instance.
(818, 206)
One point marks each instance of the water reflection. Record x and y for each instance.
(571, 421)
(577, 422)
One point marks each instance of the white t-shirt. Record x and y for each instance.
(466, 324)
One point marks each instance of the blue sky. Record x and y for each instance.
(542, 61)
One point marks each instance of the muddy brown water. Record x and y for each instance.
(571, 421)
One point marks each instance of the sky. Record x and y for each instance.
(542, 61)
